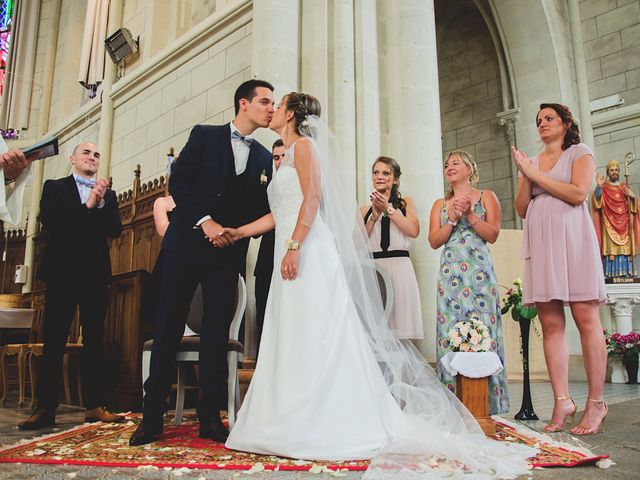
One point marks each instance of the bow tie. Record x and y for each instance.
(237, 136)
(87, 182)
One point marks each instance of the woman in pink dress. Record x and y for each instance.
(391, 223)
(562, 261)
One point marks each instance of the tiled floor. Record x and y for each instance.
(70, 416)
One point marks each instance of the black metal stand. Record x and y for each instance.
(526, 409)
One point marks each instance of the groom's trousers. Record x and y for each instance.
(177, 286)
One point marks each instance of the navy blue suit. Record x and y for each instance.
(203, 182)
(76, 268)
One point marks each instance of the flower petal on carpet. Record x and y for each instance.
(107, 445)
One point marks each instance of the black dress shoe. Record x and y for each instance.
(214, 429)
(43, 418)
(143, 435)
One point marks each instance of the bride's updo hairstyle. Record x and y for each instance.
(302, 105)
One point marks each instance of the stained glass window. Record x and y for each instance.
(6, 12)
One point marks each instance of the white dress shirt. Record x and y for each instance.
(240, 151)
(85, 191)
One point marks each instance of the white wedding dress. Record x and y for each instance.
(332, 381)
(317, 391)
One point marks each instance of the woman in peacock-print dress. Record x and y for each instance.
(463, 223)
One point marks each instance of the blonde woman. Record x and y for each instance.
(463, 222)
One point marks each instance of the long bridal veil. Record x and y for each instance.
(441, 438)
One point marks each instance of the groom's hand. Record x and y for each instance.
(214, 232)
(232, 234)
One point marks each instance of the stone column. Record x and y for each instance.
(43, 125)
(105, 136)
(342, 99)
(508, 120)
(621, 299)
(414, 133)
(367, 96)
(582, 79)
(275, 57)
(275, 44)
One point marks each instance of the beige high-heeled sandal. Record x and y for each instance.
(554, 427)
(600, 427)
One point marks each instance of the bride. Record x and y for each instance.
(332, 382)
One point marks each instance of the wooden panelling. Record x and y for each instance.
(124, 334)
(133, 256)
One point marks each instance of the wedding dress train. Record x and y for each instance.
(332, 384)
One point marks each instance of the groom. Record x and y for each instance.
(218, 182)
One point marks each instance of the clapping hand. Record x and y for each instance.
(462, 205)
(453, 215)
(96, 196)
(13, 163)
(599, 179)
(524, 164)
(379, 202)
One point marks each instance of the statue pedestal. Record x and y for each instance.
(621, 299)
(616, 369)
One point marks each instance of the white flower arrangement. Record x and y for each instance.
(471, 336)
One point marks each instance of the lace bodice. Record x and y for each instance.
(285, 194)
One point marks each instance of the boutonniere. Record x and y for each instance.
(263, 177)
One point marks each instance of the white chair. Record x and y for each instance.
(188, 351)
(384, 285)
(386, 290)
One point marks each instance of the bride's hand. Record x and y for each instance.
(231, 234)
(289, 265)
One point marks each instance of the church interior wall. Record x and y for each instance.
(611, 32)
(162, 115)
(470, 98)
(528, 46)
(157, 111)
(559, 25)
(67, 95)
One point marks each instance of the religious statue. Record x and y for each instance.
(615, 216)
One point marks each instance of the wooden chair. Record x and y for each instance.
(188, 352)
(18, 318)
(73, 347)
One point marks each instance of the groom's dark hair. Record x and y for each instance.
(247, 90)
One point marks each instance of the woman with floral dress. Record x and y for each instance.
(463, 222)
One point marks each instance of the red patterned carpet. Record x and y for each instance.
(107, 445)
(550, 455)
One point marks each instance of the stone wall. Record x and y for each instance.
(470, 98)
(157, 100)
(611, 32)
(162, 115)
